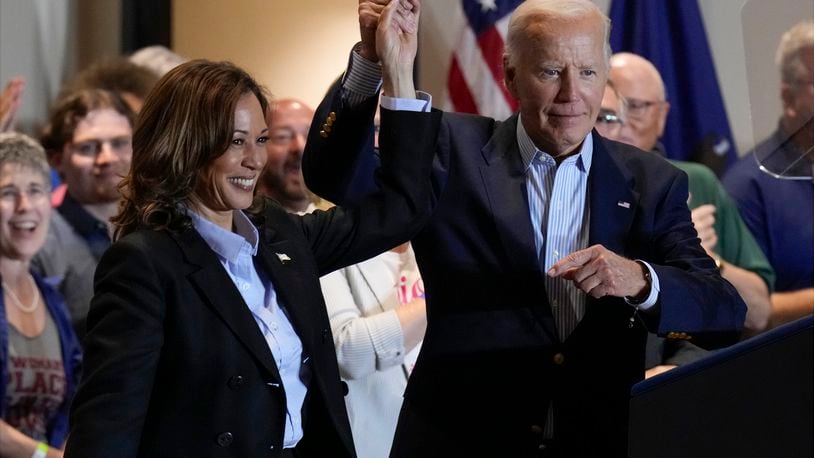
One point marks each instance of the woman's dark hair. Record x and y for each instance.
(68, 111)
(185, 124)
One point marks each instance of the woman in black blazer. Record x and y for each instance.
(190, 350)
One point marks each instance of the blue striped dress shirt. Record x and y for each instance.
(560, 215)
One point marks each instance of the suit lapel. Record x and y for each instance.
(613, 204)
(612, 198)
(504, 179)
(276, 259)
(219, 292)
(505, 182)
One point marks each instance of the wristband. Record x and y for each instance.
(648, 279)
(41, 451)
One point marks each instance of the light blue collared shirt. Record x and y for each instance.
(560, 214)
(236, 251)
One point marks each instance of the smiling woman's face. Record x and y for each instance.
(228, 182)
(25, 209)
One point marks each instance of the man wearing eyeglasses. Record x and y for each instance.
(530, 256)
(638, 97)
(780, 211)
(288, 121)
(89, 142)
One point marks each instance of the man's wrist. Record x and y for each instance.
(642, 296)
(365, 51)
(363, 78)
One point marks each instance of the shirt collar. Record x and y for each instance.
(80, 219)
(227, 244)
(528, 151)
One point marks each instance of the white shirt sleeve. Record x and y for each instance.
(654, 290)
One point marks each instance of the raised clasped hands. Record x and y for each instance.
(389, 31)
(369, 13)
(600, 272)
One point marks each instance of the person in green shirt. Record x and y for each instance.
(634, 112)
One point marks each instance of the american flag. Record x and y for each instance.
(475, 83)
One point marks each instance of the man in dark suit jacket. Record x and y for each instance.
(177, 364)
(503, 370)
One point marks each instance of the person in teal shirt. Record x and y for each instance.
(634, 112)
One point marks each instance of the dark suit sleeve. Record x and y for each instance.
(338, 163)
(396, 211)
(694, 298)
(122, 347)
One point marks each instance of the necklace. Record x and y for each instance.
(35, 299)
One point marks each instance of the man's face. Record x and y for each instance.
(282, 180)
(558, 76)
(98, 157)
(645, 108)
(609, 122)
(798, 104)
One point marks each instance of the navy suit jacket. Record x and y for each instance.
(175, 363)
(491, 361)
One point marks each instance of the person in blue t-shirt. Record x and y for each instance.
(780, 212)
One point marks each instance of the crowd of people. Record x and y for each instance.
(191, 269)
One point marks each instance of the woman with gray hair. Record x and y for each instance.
(39, 352)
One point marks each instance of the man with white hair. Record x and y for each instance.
(720, 228)
(780, 212)
(635, 93)
(549, 254)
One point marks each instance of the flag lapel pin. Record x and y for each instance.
(623, 204)
(284, 259)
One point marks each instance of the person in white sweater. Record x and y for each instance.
(378, 318)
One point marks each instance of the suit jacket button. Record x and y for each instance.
(345, 389)
(225, 439)
(558, 359)
(537, 429)
(235, 382)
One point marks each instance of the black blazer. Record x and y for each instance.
(491, 361)
(175, 364)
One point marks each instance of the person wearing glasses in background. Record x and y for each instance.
(288, 121)
(635, 96)
(207, 334)
(376, 307)
(529, 258)
(780, 212)
(88, 140)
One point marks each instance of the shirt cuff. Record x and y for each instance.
(422, 103)
(387, 338)
(654, 290)
(362, 80)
